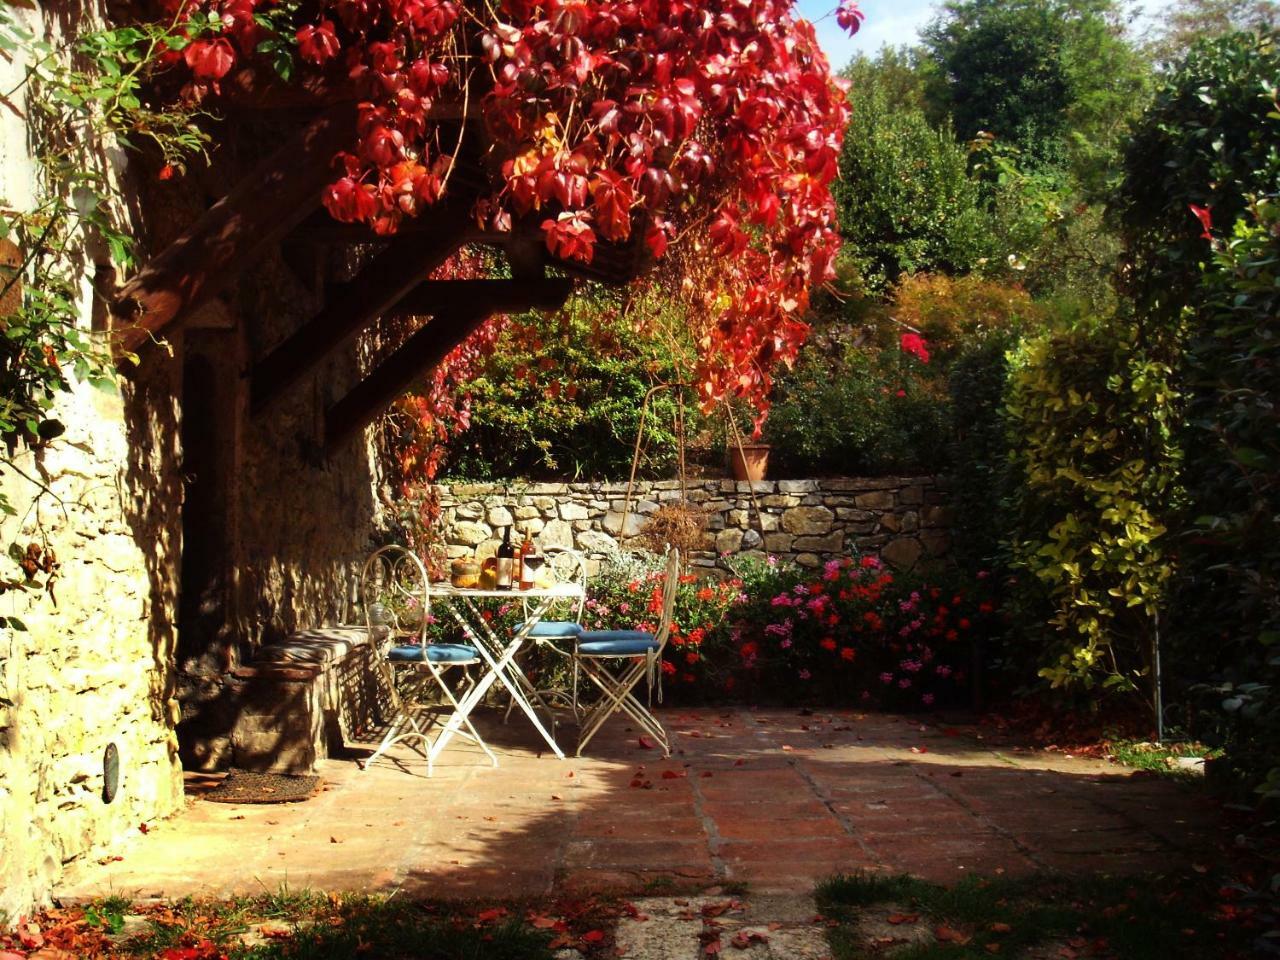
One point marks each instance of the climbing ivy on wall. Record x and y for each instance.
(79, 97)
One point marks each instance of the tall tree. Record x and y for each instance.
(1058, 79)
(905, 201)
(1190, 20)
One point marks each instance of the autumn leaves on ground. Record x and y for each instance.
(860, 916)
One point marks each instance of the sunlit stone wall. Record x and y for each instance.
(93, 667)
(904, 519)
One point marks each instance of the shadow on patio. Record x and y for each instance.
(773, 799)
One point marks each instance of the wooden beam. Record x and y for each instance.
(375, 291)
(429, 346)
(436, 297)
(280, 192)
(367, 400)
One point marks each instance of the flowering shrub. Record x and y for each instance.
(853, 632)
(856, 631)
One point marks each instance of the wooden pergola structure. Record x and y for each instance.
(280, 200)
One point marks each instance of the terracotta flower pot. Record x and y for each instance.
(749, 462)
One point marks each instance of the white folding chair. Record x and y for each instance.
(396, 594)
(566, 566)
(616, 660)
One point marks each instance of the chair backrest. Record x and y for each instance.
(669, 586)
(569, 566)
(394, 591)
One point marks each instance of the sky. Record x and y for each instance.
(894, 22)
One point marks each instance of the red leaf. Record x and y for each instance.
(593, 936)
(645, 743)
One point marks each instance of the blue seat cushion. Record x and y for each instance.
(615, 643)
(435, 652)
(558, 629)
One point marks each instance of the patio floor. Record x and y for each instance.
(772, 798)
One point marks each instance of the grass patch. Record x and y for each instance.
(1147, 918)
(1160, 758)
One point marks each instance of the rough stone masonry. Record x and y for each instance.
(903, 519)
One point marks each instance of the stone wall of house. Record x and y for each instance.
(904, 519)
(93, 667)
(161, 597)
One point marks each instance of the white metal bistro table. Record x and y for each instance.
(497, 652)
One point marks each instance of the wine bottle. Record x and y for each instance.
(526, 568)
(506, 562)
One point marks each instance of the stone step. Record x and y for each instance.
(753, 928)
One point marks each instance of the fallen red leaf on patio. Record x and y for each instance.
(672, 775)
(334, 840)
(645, 743)
(745, 938)
(711, 948)
(705, 774)
(556, 796)
(738, 763)
(919, 749)
(29, 936)
(144, 828)
(898, 918)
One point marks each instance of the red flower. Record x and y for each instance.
(827, 643)
(1205, 216)
(847, 653)
(319, 43)
(849, 17)
(915, 345)
(210, 59)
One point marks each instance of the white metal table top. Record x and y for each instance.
(567, 591)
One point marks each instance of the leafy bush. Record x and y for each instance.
(850, 408)
(562, 396)
(905, 201)
(1204, 164)
(1094, 475)
(859, 403)
(1232, 556)
(856, 632)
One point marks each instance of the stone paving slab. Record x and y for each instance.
(775, 800)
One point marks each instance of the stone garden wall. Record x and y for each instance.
(904, 519)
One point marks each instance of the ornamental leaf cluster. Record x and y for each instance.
(708, 130)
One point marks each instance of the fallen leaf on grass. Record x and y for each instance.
(1000, 928)
(947, 934)
(992, 948)
(900, 918)
(593, 936)
(490, 915)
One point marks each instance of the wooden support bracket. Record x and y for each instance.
(375, 291)
(430, 345)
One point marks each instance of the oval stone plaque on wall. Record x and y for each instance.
(110, 773)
